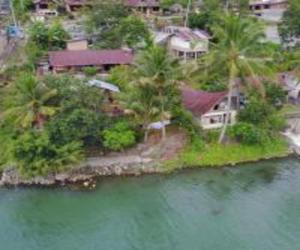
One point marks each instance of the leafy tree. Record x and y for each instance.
(262, 114)
(53, 37)
(275, 95)
(119, 136)
(290, 25)
(168, 3)
(134, 31)
(73, 93)
(35, 155)
(28, 104)
(209, 14)
(77, 125)
(57, 36)
(248, 133)
(38, 34)
(239, 52)
(103, 21)
(90, 71)
(155, 88)
(21, 8)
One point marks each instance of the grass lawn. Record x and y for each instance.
(216, 155)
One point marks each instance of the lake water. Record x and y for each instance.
(253, 207)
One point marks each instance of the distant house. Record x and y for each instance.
(184, 42)
(73, 5)
(77, 60)
(145, 6)
(260, 5)
(70, 5)
(209, 108)
(290, 83)
(77, 44)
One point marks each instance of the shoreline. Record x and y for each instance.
(86, 176)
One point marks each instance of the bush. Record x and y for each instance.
(78, 125)
(35, 155)
(90, 71)
(247, 133)
(256, 112)
(119, 137)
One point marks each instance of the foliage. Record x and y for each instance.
(121, 76)
(73, 93)
(154, 90)
(275, 95)
(168, 3)
(218, 155)
(185, 119)
(90, 71)
(238, 52)
(44, 37)
(38, 34)
(28, 104)
(259, 112)
(22, 8)
(290, 25)
(36, 155)
(119, 136)
(57, 36)
(77, 125)
(103, 21)
(134, 31)
(33, 53)
(247, 133)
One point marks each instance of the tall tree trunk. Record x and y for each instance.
(163, 132)
(228, 107)
(146, 135)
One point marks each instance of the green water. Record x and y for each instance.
(254, 207)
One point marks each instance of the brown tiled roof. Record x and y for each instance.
(69, 2)
(142, 3)
(76, 2)
(200, 102)
(89, 57)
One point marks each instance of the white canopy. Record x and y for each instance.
(104, 85)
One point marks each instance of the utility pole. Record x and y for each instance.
(187, 13)
(13, 13)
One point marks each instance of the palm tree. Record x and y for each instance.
(161, 73)
(29, 106)
(155, 87)
(238, 53)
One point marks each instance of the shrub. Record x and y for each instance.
(119, 136)
(90, 71)
(35, 155)
(78, 125)
(256, 112)
(247, 133)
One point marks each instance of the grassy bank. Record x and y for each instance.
(216, 155)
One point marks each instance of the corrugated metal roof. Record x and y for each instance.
(89, 57)
(200, 102)
(104, 85)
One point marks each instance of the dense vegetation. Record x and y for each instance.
(52, 122)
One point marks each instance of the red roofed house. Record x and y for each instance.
(146, 6)
(73, 5)
(209, 108)
(260, 5)
(70, 5)
(76, 60)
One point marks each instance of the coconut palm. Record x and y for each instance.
(154, 93)
(29, 106)
(160, 72)
(238, 53)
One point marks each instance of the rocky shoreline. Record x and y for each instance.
(86, 172)
(119, 164)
